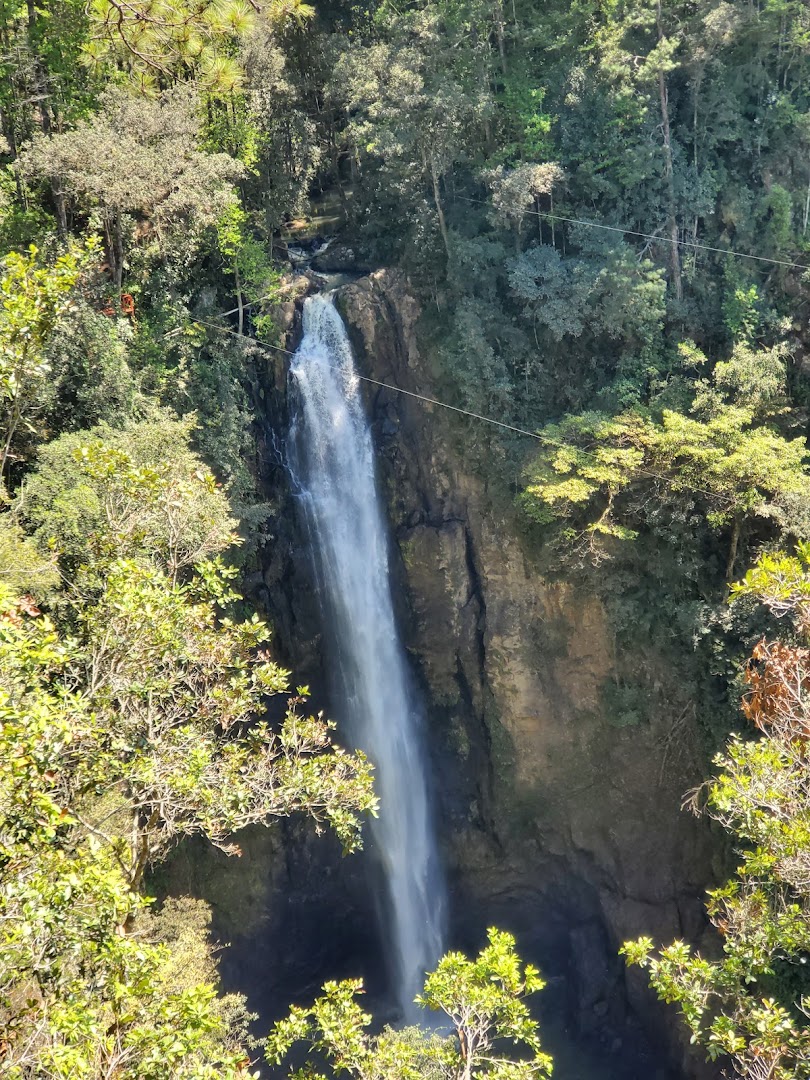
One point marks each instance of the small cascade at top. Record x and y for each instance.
(333, 466)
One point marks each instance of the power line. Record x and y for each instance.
(387, 386)
(221, 315)
(473, 415)
(645, 236)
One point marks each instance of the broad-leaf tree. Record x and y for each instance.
(494, 1034)
(33, 293)
(749, 999)
(81, 995)
(137, 162)
(608, 474)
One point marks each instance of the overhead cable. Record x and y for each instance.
(547, 215)
(473, 415)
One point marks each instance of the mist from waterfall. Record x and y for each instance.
(333, 467)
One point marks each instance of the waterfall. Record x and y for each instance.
(333, 468)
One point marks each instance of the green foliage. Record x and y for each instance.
(462, 142)
(79, 995)
(246, 258)
(33, 295)
(176, 692)
(749, 1003)
(140, 728)
(755, 377)
(92, 377)
(721, 456)
(24, 570)
(780, 582)
(138, 160)
(140, 492)
(740, 312)
(483, 999)
(523, 106)
(157, 42)
(606, 288)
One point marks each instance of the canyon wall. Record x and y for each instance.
(558, 820)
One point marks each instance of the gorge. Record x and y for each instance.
(552, 821)
(404, 407)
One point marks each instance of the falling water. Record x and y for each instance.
(333, 467)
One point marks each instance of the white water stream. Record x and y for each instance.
(333, 466)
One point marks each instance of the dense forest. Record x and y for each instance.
(603, 209)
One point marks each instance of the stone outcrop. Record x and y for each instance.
(556, 820)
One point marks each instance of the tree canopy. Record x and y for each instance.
(603, 213)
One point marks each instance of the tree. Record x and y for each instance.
(604, 291)
(751, 1003)
(157, 42)
(43, 83)
(92, 379)
(515, 191)
(273, 125)
(138, 160)
(24, 570)
(483, 999)
(724, 456)
(143, 727)
(81, 997)
(639, 48)
(177, 694)
(416, 103)
(246, 258)
(33, 294)
(135, 493)
(176, 688)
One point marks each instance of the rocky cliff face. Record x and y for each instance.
(556, 822)
(556, 819)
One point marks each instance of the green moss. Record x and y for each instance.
(626, 703)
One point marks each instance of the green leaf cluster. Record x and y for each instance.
(483, 999)
(139, 723)
(750, 1002)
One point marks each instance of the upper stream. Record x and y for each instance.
(333, 467)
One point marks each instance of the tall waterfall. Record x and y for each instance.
(333, 466)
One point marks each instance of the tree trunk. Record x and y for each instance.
(61, 209)
(12, 424)
(675, 255)
(8, 128)
(497, 13)
(239, 301)
(733, 545)
(140, 847)
(43, 95)
(466, 1055)
(672, 222)
(438, 201)
(118, 241)
(40, 75)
